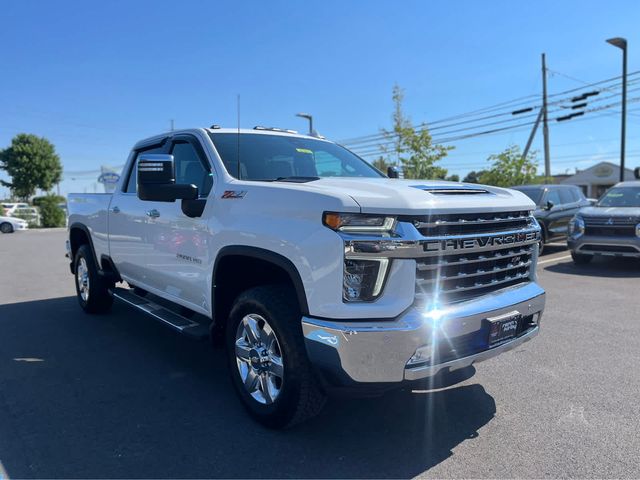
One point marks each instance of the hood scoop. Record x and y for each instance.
(452, 190)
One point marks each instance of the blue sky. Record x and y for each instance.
(94, 77)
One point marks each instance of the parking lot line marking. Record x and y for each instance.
(557, 259)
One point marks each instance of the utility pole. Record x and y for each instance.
(622, 44)
(545, 125)
(171, 124)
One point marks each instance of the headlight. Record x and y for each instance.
(363, 279)
(358, 222)
(576, 226)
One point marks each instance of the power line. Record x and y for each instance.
(499, 106)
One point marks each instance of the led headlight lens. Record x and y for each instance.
(358, 222)
(576, 226)
(363, 279)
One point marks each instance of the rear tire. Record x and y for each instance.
(92, 289)
(268, 360)
(6, 227)
(580, 259)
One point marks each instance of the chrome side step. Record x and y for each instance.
(182, 324)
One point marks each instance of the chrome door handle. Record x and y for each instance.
(153, 213)
(115, 209)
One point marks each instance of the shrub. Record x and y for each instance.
(51, 215)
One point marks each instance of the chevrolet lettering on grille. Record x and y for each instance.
(457, 244)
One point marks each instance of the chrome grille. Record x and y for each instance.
(453, 276)
(470, 223)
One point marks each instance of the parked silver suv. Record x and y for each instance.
(611, 227)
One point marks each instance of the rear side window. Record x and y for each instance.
(566, 195)
(132, 181)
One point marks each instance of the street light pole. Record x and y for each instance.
(622, 44)
(308, 117)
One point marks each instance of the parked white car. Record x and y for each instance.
(10, 224)
(9, 208)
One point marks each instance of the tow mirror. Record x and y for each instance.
(549, 205)
(157, 180)
(392, 172)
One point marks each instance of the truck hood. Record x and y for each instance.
(609, 212)
(396, 196)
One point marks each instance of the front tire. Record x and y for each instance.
(267, 358)
(6, 227)
(91, 288)
(581, 259)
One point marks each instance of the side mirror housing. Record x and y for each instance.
(549, 205)
(157, 180)
(392, 172)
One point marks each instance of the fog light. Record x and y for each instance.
(422, 355)
(363, 279)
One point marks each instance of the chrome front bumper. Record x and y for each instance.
(379, 351)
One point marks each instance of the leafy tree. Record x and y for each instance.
(453, 178)
(50, 213)
(509, 168)
(473, 176)
(414, 148)
(32, 163)
(381, 164)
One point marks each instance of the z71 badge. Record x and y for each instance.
(234, 194)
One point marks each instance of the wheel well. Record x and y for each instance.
(234, 274)
(77, 238)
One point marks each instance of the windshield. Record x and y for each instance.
(534, 194)
(274, 157)
(621, 197)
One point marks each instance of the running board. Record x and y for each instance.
(184, 325)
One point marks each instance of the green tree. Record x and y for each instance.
(51, 214)
(32, 163)
(414, 148)
(381, 164)
(453, 178)
(509, 168)
(473, 176)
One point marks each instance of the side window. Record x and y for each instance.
(578, 195)
(132, 181)
(190, 168)
(553, 196)
(566, 196)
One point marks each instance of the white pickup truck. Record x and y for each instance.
(317, 271)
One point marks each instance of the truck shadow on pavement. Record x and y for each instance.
(119, 395)
(600, 267)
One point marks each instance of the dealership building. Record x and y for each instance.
(595, 180)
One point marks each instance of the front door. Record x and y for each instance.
(179, 256)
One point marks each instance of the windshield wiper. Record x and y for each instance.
(294, 179)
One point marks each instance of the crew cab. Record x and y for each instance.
(316, 271)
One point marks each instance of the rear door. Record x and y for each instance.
(179, 257)
(129, 236)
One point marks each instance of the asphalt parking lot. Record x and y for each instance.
(121, 396)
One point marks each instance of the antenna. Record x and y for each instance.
(238, 106)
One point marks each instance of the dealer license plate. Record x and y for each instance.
(503, 327)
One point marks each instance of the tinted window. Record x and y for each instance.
(132, 181)
(566, 196)
(533, 193)
(190, 168)
(577, 194)
(621, 197)
(553, 196)
(269, 157)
